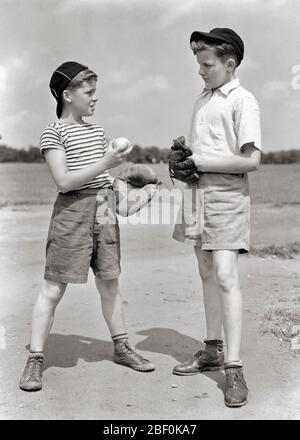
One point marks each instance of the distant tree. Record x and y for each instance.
(281, 157)
(33, 155)
(8, 154)
(151, 154)
(136, 155)
(164, 154)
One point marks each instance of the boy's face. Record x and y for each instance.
(213, 70)
(83, 99)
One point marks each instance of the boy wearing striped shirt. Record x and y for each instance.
(83, 229)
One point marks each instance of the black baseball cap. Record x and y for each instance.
(223, 35)
(60, 79)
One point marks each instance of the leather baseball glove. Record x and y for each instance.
(134, 188)
(180, 166)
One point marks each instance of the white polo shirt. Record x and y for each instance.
(224, 119)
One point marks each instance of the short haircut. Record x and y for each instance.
(221, 50)
(85, 75)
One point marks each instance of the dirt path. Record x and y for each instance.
(165, 319)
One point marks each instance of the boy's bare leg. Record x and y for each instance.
(226, 273)
(212, 358)
(112, 309)
(225, 263)
(112, 306)
(42, 320)
(43, 313)
(211, 298)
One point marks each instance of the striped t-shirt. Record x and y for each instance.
(83, 145)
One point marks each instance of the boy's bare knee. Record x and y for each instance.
(53, 291)
(226, 279)
(108, 284)
(205, 266)
(206, 274)
(107, 288)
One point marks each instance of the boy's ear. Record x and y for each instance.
(67, 96)
(231, 64)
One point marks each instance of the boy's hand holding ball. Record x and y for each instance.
(122, 144)
(117, 151)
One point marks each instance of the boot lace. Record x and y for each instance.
(133, 353)
(235, 378)
(34, 368)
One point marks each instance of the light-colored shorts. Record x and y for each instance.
(83, 232)
(215, 213)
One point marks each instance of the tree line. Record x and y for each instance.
(139, 154)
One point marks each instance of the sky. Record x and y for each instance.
(148, 76)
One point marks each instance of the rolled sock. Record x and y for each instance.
(235, 363)
(33, 353)
(214, 343)
(120, 337)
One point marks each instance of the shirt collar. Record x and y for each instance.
(226, 88)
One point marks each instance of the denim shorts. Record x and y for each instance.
(83, 232)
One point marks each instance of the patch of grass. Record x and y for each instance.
(5, 203)
(284, 323)
(283, 204)
(296, 299)
(288, 251)
(272, 184)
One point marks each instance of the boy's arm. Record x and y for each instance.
(248, 161)
(66, 180)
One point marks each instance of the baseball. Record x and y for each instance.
(121, 143)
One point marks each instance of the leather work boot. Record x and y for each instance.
(236, 390)
(31, 379)
(210, 359)
(125, 355)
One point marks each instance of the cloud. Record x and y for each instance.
(125, 82)
(283, 93)
(175, 10)
(9, 122)
(119, 77)
(145, 85)
(294, 104)
(12, 69)
(66, 6)
(274, 4)
(14, 65)
(139, 48)
(168, 11)
(275, 89)
(248, 64)
(3, 76)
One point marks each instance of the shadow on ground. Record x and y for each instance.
(177, 345)
(64, 351)
(169, 342)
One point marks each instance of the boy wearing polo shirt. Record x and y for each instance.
(84, 229)
(226, 144)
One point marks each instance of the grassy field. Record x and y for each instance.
(22, 183)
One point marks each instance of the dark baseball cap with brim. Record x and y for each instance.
(222, 35)
(61, 78)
